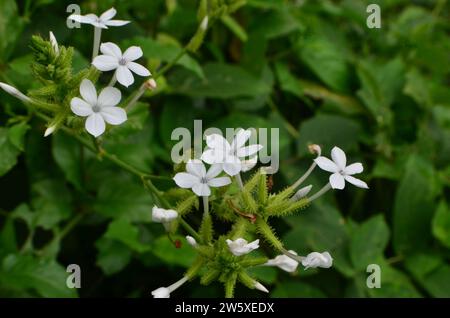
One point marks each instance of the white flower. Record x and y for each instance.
(284, 262)
(15, 92)
(54, 43)
(200, 181)
(98, 109)
(315, 259)
(162, 215)
(232, 156)
(261, 287)
(103, 22)
(113, 59)
(340, 171)
(164, 292)
(240, 246)
(192, 242)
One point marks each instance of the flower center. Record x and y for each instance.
(96, 108)
(122, 62)
(204, 180)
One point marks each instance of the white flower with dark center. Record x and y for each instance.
(103, 22)
(315, 259)
(231, 156)
(240, 246)
(341, 172)
(284, 262)
(113, 59)
(164, 216)
(164, 292)
(200, 181)
(98, 109)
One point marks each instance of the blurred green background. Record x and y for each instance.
(311, 68)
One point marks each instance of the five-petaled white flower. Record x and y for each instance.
(284, 262)
(113, 59)
(163, 216)
(200, 181)
(240, 246)
(98, 109)
(315, 259)
(103, 22)
(231, 156)
(340, 171)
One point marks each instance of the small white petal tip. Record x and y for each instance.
(261, 287)
(49, 131)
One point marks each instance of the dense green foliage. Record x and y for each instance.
(313, 69)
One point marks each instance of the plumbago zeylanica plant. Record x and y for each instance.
(70, 103)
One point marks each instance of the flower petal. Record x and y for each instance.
(232, 169)
(88, 92)
(116, 22)
(337, 181)
(138, 69)
(217, 142)
(111, 49)
(132, 53)
(80, 107)
(219, 182)
(196, 168)
(124, 76)
(114, 115)
(214, 171)
(109, 96)
(95, 125)
(357, 182)
(108, 14)
(248, 151)
(354, 168)
(201, 189)
(186, 180)
(211, 156)
(105, 63)
(240, 138)
(88, 18)
(339, 158)
(326, 164)
(248, 164)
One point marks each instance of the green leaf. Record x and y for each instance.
(368, 242)
(11, 25)
(326, 60)
(235, 27)
(24, 273)
(414, 207)
(264, 274)
(113, 256)
(67, 154)
(328, 131)
(121, 199)
(125, 232)
(221, 81)
(287, 81)
(441, 224)
(51, 202)
(296, 290)
(17, 133)
(8, 152)
(167, 252)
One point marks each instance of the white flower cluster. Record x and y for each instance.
(103, 108)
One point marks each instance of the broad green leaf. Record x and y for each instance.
(221, 81)
(414, 207)
(17, 133)
(328, 131)
(296, 290)
(23, 274)
(167, 252)
(120, 198)
(51, 202)
(8, 152)
(11, 24)
(113, 256)
(287, 81)
(368, 242)
(264, 274)
(441, 224)
(67, 154)
(125, 232)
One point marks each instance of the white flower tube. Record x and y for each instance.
(15, 92)
(164, 292)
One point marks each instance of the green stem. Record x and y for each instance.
(171, 64)
(189, 229)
